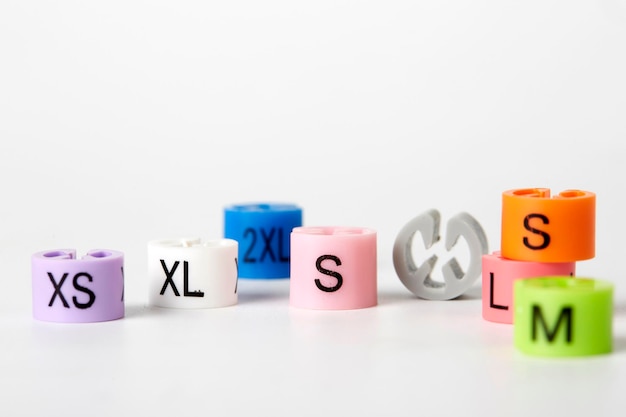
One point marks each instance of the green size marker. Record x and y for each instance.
(563, 316)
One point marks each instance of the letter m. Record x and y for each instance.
(564, 317)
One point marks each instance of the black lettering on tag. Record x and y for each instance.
(336, 275)
(546, 237)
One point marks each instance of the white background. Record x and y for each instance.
(125, 121)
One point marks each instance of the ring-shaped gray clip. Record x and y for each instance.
(455, 281)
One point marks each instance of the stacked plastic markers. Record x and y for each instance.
(531, 281)
(190, 273)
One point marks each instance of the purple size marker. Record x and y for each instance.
(70, 290)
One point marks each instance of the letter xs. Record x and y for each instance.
(59, 294)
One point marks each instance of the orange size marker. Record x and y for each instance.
(538, 228)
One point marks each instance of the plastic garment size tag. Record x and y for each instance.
(455, 280)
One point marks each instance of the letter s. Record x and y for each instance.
(527, 226)
(92, 296)
(321, 269)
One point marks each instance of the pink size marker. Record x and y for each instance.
(333, 268)
(500, 273)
